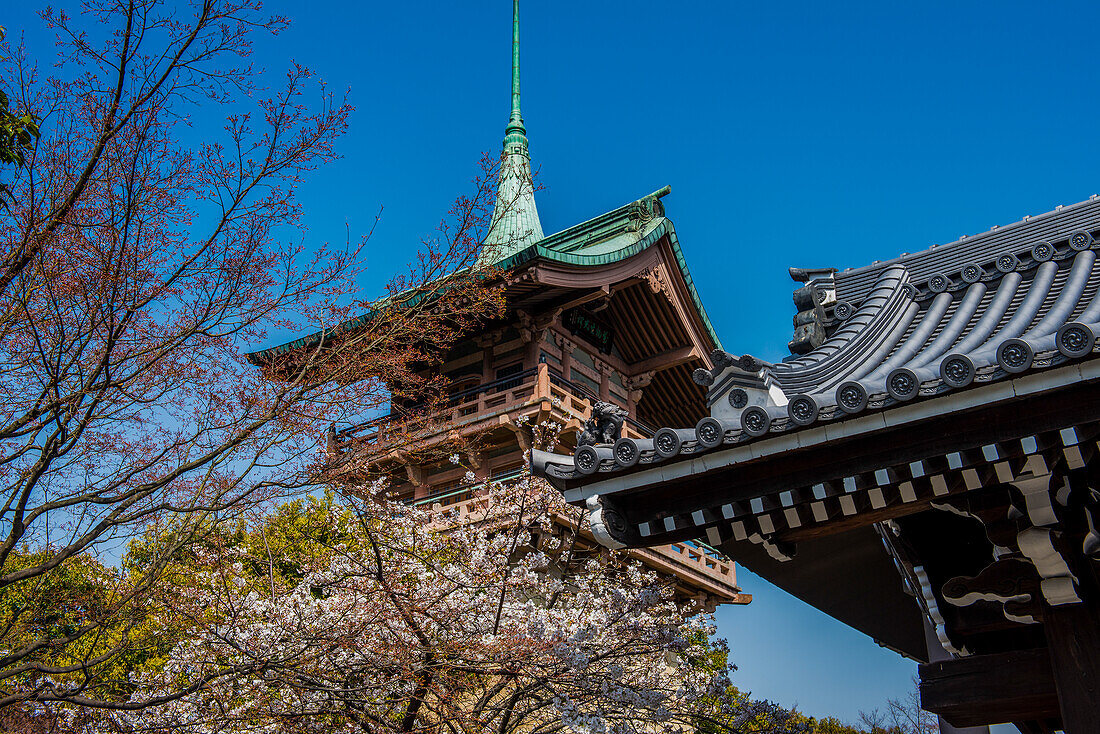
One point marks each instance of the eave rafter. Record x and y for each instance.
(609, 279)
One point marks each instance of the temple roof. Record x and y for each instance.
(611, 238)
(980, 310)
(938, 380)
(602, 241)
(516, 237)
(827, 289)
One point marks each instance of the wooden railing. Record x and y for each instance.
(514, 389)
(524, 388)
(693, 554)
(455, 493)
(557, 379)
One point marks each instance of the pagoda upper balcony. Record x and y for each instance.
(528, 397)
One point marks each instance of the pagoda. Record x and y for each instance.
(923, 467)
(601, 313)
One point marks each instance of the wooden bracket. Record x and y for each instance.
(1012, 582)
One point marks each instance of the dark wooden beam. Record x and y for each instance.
(585, 297)
(865, 517)
(666, 360)
(991, 689)
(1073, 635)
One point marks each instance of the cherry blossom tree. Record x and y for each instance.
(140, 259)
(362, 614)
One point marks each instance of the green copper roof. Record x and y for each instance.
(515, 223)
(603, 240)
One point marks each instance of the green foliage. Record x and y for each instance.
(296, 533)
(870, 724)
(93, 616)
(58, 604)
(829, 725)
(71, 615)
(18, 132)
(96, 618)
(734, 711)
(765, 718)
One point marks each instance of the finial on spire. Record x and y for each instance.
(515, 134)
(515, 60)
(515, 224)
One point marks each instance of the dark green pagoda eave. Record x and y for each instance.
(317, 338)
(565, 247)
(266, 356)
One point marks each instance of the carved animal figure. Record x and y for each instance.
(605, 425)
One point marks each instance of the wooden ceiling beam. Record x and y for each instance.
(681, 302)
(672, 329)
(587, 296)
(667, 360)
(569, 298)
(647, 340)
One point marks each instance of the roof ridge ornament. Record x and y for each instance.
(515, 224)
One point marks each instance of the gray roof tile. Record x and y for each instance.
(986, 308)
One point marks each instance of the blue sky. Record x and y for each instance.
(797, 133)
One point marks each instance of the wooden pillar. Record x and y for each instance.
(1073, 637)
(529, 336)
(605, 379)
(542, 381)
(532, 330)
(531, 354)
(486, 363)
(487, 341)
(567, 347)
(634, 386)
(936, 653)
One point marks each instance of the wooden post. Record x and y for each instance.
(605, 379)
(531, 353)
(487, 342)
(634, 385)
(1073, 637)
(567, 348)
(936, 653)
(542, 384)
